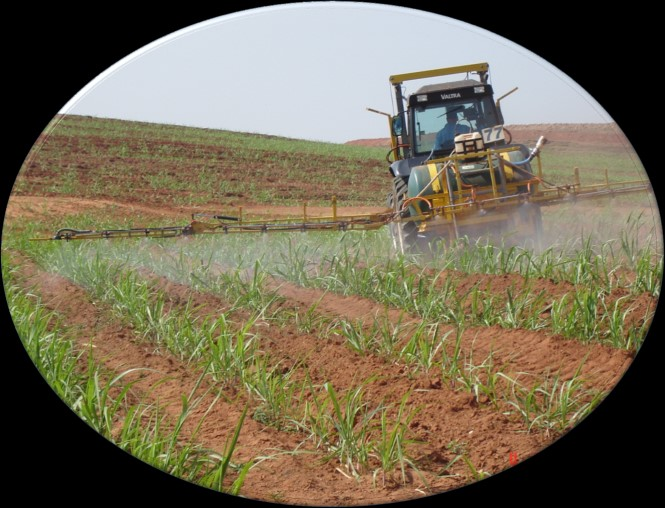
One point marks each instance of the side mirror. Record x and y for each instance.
(397, 126)
(498, 105)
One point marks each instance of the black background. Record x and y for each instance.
(51, 455)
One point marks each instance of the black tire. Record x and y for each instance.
(409, 230)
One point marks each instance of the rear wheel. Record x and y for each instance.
(404, 234)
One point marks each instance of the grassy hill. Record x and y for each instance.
(166, 165)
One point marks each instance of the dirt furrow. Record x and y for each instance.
(518, 350)
(446, 419)
(528, 356)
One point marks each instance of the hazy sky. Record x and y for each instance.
(309, 71)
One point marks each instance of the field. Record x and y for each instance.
(319, 368)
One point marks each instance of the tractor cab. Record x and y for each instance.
(437, 114)
(430, 121)
(452, 156)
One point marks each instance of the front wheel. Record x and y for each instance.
(404, 234)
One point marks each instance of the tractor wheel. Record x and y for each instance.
(404, 234)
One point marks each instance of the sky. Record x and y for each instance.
(310, 70)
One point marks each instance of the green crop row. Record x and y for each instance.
(103, 401)
(589, 312)
(237, 268)
(548, 403)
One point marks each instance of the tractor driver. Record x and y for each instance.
(446, 136)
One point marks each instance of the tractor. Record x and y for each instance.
(454, 167)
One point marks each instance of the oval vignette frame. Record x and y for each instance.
(565, 462)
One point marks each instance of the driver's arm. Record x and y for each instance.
(439, 139)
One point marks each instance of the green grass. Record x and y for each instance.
(553, 404)
(361, 438)
(558, 165)
(392, 442)
(278, 393)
